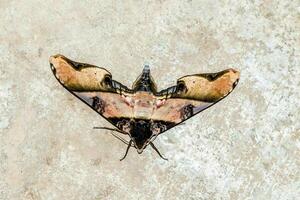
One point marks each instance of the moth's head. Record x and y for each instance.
(141, 135)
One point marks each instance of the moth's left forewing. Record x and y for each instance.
(94, 86)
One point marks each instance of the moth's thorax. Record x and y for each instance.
(144, 105)
(145, 82)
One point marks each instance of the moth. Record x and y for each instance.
(142, 112)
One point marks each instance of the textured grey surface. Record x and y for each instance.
(245, 147)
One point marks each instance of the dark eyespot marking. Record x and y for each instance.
(187, 111)
(235, 83)
(181, 87)
(78, 65)
(98, 104)
(107, 80)
(53, 68)
(213, 76)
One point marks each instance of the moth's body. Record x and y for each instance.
(142, 113)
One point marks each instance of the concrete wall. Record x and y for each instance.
(245, 147)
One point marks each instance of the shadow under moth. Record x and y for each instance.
(142, 112)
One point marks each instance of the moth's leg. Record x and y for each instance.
(120, 138)
(154, 147)
(116, 136)
(129, 145)
(111, 129)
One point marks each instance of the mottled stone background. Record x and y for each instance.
(245, 147)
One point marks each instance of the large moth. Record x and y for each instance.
(142, 112)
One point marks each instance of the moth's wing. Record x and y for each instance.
(94, 86)
(193, 94)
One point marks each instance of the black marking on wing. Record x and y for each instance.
(98, 104)
(210, 76)
(187, 112)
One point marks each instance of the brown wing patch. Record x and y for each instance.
(79, 76)
(207, 87)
